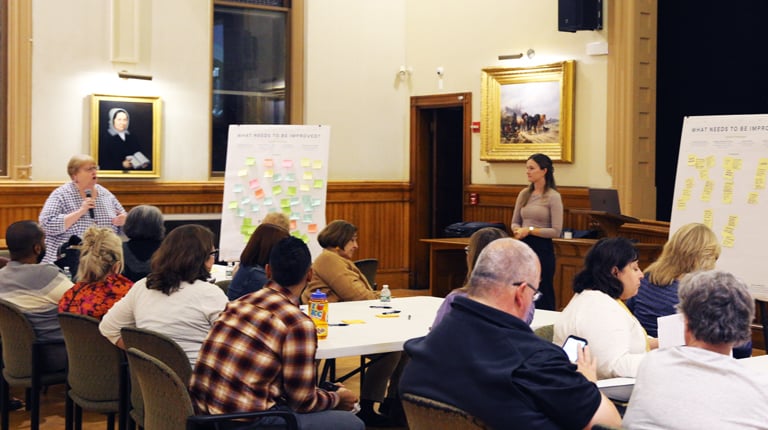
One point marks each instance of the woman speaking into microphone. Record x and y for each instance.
(538, 218)
(77, 205)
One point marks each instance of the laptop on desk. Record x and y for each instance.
(604, 200)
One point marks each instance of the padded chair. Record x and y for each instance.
(161, 347)
(546, 332)
(169, 407)
(97, 374)
(369, 267)
(224, 284)
(426, 414)
(23, 356)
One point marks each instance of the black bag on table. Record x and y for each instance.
(466, 228)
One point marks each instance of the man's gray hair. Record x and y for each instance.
(718, 307)
(502, 263)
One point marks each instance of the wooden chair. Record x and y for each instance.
(426, 414)
(97, 372)
(369, 267)
(161, 347)
(23, 356)
(167, 405)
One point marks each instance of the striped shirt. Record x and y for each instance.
(67, 199)
(260, 353)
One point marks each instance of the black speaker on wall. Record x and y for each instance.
(575, 15)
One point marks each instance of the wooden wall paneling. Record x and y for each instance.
(381, 213)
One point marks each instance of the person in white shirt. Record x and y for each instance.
(175, 299)
(597, 312)
(699, 385)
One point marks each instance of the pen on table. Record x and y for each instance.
(339, 325)
(380, 307)
(390, 312)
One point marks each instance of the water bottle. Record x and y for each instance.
(67, 273)
(386, 295)
(318, 311)
(230, 268)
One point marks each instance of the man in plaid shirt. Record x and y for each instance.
(260, 353)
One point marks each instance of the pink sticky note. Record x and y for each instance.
(287, 164)
(254, 183)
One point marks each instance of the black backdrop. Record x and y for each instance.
(712, 60)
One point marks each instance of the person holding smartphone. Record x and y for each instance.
(597, 311)
(484, 359)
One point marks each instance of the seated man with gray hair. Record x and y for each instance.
(699, 385)
(483, 357)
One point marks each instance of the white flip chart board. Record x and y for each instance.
(721, 182)
(274, 168)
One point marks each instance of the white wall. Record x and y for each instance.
(354, 49)
(71, 61)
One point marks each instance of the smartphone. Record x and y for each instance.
(572, 345)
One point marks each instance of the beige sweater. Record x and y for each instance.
(339, 278)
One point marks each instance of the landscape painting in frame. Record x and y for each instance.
(125, 135)
(527, 110)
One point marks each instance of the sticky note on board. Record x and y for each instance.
(277, 190)
(317, 164)
(250, 161)
(259, 193)
(238, 188)
(287, 164)
(293, 225)
(304, 187)
(242, 172)
(268, 173)
(232, 205)
(318, 183)
(691, 160)
(305, 162)
(353, 321)
(312, 228)
(253, 184)
(292, 191)
(268, 162)
(307, 175)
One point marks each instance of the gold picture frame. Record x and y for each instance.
(125, 135)
(527, 110)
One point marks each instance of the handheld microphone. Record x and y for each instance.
(88, 195)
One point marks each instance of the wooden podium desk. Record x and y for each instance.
(447, 264)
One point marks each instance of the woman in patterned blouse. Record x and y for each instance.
(100, 284)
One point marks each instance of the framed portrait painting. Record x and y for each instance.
(125, 135)
(527, 110)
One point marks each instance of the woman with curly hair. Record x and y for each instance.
(175, 299)
(100, 284)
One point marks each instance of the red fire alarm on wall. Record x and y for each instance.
(475, 126)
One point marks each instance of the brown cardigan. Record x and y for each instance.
(339, 278)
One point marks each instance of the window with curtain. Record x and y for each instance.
(250, 76)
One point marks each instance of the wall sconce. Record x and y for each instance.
(405, 72)
(127, 75)
(530, 53)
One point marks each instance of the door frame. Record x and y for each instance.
(420, 206)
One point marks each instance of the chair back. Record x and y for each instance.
(224, 285)
(166, 400)
(424, 413)
(17, 336)
(546, 332)
(161, 347)
(369, 267)
(96, 366)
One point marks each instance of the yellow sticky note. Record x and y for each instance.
(353, 321)
(250, 161)
(305, 162)
(304, 187)
(753, 198)
(232, 205)
(387, 315)
(708, 216)
(691, 160)
(317, 164)
(242, 172)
